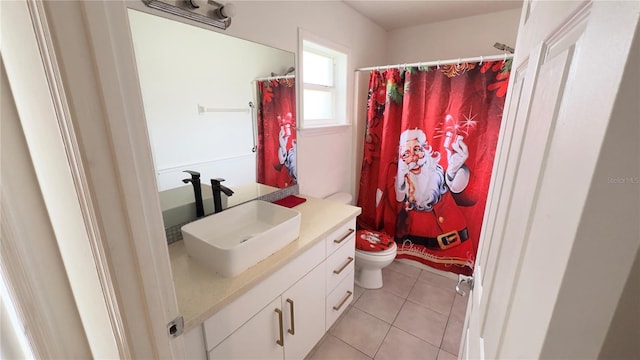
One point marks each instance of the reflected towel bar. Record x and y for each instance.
(202, 109)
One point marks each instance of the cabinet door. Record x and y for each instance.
(194, 347)
(304, 308)
(256, 339)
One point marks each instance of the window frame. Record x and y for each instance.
(341, 80)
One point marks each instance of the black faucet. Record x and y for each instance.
(197, 191)
(216, 188)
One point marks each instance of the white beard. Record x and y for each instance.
(429, 185)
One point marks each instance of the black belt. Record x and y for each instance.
(442, 242)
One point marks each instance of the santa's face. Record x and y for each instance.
(413, 155)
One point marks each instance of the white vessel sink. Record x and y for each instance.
(179, 205)
(231, 241)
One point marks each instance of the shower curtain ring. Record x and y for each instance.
(459, 60)
(505, 58)
(438, 64)
(481, 60)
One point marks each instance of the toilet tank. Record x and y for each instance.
(341, 197)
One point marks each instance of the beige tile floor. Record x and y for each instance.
(416, 315)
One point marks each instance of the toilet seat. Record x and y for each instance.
(374, 242)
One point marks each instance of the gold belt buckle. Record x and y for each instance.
(448, 240)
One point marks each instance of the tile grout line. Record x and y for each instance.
(349, 345)
(447, 324)
(424, 305)
(398, 313)
(392, 322)
(406, 299)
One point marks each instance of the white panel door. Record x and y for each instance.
(563, 49)
(259, 338)
(303, 307)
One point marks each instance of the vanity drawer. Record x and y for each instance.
(341, 263)
(339, 299)
(338, 237)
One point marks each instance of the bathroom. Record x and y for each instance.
(320, 172)
(221, 131)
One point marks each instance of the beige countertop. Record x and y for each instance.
(202, 293)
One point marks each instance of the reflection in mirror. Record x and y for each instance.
(210, 102)
(277, 142)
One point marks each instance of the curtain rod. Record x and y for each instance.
(275, 78)
(441, 62)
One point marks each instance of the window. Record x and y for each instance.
(324, 90)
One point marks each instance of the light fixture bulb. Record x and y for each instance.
(191, 4)
(225, 11)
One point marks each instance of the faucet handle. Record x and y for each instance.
(195, 177)
(194, 174)
(217, 181)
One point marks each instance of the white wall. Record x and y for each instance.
(182, 66)
(326, 160)
(465, 37)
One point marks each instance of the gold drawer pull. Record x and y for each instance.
(291, 331)
(344, 300)
(281, 341)
(349, 260)
(338, 241)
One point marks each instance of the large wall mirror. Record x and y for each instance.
(197, 86)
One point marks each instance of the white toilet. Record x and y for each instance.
(374, 251)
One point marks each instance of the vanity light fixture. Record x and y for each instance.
(219, 17)
(503, 47)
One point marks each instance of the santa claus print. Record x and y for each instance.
(430, 216)
(287, 147)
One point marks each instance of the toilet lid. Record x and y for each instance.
(373, 241)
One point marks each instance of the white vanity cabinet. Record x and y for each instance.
(298, 315)
(339, 271)
(288, 327)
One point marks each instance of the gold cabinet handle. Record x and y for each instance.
(346, 263)
(338, 241)
(344, 300)
(291, 331)
(281, 341)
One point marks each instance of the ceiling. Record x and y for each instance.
(392, 15)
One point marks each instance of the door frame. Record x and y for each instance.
(87, 137)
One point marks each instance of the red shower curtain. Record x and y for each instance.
(277, 133)
(429, 147)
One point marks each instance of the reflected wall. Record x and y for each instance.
(196, 87)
